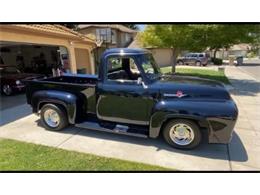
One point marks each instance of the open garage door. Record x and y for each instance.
(32, 58)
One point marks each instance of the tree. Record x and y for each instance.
(197, 38)
(71, 26)
(225, 35)
(132, 26)
(177, 37)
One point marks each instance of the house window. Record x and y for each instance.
(127, 37)
(113, 36)
(103, 34)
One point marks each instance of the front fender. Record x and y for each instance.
(67, 100)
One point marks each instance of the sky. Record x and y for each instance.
(141, 27)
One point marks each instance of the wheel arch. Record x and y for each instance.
(67, 100)
(157, 126)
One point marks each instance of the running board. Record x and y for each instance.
(119, 129)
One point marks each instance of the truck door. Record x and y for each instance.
(121, 98)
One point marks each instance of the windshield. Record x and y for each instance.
(10, 70)
(151, 70)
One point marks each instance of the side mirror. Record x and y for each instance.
(140, 82)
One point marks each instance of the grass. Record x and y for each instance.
(21, 156)
(203, 73)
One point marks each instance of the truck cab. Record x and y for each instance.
(131, 96)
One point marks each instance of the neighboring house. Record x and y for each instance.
(107, 36)
(43, 47)
(236, 50)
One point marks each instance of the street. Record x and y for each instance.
(251, 67)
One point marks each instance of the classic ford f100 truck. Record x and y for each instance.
(131, 96)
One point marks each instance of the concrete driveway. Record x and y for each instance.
(241, 154)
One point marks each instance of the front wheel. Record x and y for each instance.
(180, 62)
(182, 134)
(54, 117)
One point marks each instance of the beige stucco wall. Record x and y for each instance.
(83, 59)
(162, 56)
(14, 34)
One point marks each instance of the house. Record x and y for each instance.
(107, 36)
(50, 46)
(236, 50)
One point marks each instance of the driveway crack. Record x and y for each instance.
(68, 138)
(229, 158)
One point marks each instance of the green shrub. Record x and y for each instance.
(217, 61)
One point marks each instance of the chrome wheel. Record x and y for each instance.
(52, 118)
(181, 134)
(7, 89)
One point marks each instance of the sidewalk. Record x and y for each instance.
(246, 94)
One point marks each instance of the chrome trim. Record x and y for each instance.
(174, 95)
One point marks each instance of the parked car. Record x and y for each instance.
(130, 96)
(11, 79)
(197, 59)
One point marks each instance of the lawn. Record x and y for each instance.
(21, 156)
(199, 72)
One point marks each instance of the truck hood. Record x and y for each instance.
(175, 86)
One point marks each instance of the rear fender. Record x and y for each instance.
(67, 100)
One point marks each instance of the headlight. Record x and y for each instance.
(18, 82)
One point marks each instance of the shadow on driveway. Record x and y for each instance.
(7, 102)
(212, 151)
(13, 108)
(245, 87)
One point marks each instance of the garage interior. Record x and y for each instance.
(34, 58)
(40, 49)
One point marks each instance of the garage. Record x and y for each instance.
(34, 58)
(35, 50)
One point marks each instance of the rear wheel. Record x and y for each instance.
(182, 134)
(7, 90)
(54, 117)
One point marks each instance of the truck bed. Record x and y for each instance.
(83, 86)
(73, 79)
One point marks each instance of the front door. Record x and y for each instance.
(121, 98)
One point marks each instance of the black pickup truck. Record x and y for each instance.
(131, 96)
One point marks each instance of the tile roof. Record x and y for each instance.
(55, 29)
(114, 26)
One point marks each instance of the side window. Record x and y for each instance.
(201, 55)
(122, 69)
(114, 63)
(133, 67)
